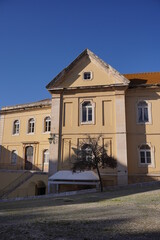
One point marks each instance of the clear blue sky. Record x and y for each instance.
(38, 38)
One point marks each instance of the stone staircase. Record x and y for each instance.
(15, 184)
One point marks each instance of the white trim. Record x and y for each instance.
(149, 112)
(15, 134)
(93, 112)
(44, 124)
(152, 151)
(31, 133)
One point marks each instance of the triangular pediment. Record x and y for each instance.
(102, 74)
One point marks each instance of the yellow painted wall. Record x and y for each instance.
(138, 134)
(38, 139)
(27, 189)
(100, 76)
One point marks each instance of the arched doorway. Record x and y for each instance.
(40, 188)
(28, 157)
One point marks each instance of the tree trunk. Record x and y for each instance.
(100, 179)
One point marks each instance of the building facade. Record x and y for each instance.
(89, 97)
(24, 148)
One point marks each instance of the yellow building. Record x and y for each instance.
(24, 152)
(87, 97)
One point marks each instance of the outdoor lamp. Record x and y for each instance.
(51, 139)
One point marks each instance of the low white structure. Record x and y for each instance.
(78, 178)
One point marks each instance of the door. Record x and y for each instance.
(28, 158)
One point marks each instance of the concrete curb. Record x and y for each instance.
(64, 194)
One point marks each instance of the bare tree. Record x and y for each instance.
(91, 155)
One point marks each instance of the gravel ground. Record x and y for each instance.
(117, 214)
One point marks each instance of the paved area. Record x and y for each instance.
(115, 214)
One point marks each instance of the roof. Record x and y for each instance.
(77, 176)
(143, 78)
(91, 55)
(38, 104)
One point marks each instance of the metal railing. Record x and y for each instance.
(26, 166)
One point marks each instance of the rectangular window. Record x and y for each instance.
(87, 75)
(142, 154)
(89, 114)
(143, 112)
(148, 157)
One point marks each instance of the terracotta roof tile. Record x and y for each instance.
(143, 78)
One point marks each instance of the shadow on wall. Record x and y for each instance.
(12, 161)
(140, 121)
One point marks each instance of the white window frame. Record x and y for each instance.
(33, 122)
(87, 79)
(15, 124)
(152, 150)
(45, 153)
(149, 112)
(16, 155)
(81, 112)
(46, 124)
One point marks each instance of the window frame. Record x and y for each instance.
(87, 122)
(28, 127)
(14, 131)
(87, 72)
(143, 112)
(44, 154)
(46, 123)
(15, 154)
(151, 150)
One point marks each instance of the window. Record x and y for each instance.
(46, 156)
(87, 112)
(14, 157)
(143, 112)
(47, 124)
(87, 152)
(31, 124)
(87, 75)
(45, 165)
(16, 127)
(145, 154)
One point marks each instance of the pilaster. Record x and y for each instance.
(121, 139)
(54, 147)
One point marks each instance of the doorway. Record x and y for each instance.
(29, 158)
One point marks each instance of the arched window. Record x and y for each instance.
(46, 156)
(145, 154)
(45, 160)
(47, 124)
(31, 125)
(14, 157)
(87, 112)
(143, 113)
(16, 127)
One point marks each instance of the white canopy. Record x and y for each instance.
(66, 175)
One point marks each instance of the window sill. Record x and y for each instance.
(87, 123)
(16, 134)
(146, 165)
(144, 123)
